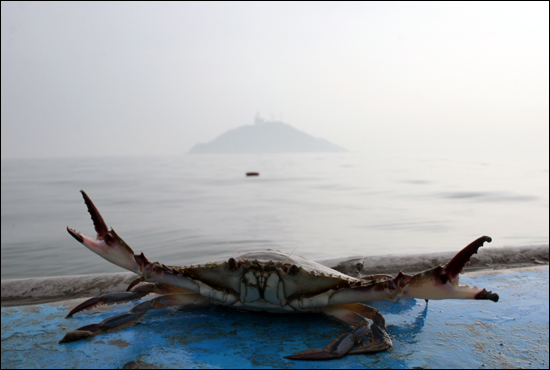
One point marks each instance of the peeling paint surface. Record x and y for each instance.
(443, 334)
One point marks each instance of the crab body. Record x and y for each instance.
(269, 281)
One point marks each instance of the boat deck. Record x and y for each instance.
(442, 334)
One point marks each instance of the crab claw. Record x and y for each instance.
(441, 282)
(108, 244)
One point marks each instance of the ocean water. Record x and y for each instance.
(195, 208)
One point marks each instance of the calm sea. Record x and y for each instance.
(195, 208)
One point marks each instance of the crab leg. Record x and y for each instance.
(123, 320)
(441, 282)
(132, 294)
(335, 349)
(364, 311)
(353, 314)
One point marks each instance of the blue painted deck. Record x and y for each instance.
(445, 334)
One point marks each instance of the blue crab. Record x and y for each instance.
(269, 281)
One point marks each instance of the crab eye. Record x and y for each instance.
(232, 264)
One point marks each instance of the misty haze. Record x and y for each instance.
(424, 121)
(373, 135)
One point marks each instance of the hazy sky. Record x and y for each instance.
(87, 79)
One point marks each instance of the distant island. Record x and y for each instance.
(266, 137)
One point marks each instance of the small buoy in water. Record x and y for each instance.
(252, 174)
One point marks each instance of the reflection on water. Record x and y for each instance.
(188, 209)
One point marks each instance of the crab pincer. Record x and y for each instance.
(442, 282)
(107, 244)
